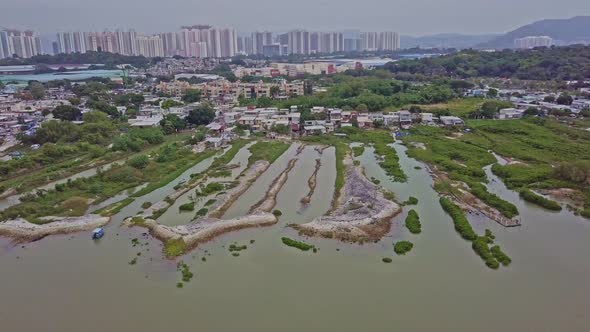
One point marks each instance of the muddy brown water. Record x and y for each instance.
(70, 283)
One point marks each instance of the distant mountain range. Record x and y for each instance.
(445, 40)
(564, 32)
(575, 30)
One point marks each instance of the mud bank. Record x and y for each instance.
(268, 202)
(312, 182)
(361, 214)
(204, 230)
(23, 230)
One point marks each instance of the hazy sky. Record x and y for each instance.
(414, 17)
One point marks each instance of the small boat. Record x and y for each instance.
(97, 233)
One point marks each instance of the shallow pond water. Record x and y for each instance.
(63, 283)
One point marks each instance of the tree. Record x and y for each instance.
(95, 117)
(171, 123)
(263, 102)
(362, 108)
(378, 124)
(191, 96)
(75, 101)
(549, 99)
(460, 85)
(280, 129)
(37, 90)
(166, 104)
(492, 93)
(565, 99)
(532, 111)
(202, 115)
(103, 106)
(274, 91)
(67, 112)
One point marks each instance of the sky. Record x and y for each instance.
(408, 17)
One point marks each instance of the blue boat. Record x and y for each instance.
(97, 233)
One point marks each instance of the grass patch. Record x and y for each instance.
(180, 168)
(139, 221)
(386, 260)
(146, 205)
(358, 150)
(175, 247)
(277, 213)
(210, 202)
(229, 155)
(266, 150)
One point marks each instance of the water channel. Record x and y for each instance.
(70, 283)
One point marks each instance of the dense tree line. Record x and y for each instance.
(110, 60)
(374, 94)
(554, 63)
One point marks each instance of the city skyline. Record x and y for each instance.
(408, 18)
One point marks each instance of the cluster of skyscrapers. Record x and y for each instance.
(201, 41)
(24, 44)
(306, 42)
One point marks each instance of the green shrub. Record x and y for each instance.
(388, 195)
(387, 260)
(211, 188)
(139, 162)
(187, 206)
(508, 209)
(146, 205)
(277, 213)
(296, 244)
(413, 222)
(202, 212)
(412, 201)
(462, 225)
(402, 247)
(500, 256)
(481, 248)
(236, 247)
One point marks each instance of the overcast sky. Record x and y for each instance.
(413, 17)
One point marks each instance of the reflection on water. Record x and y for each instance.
(64, 283)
